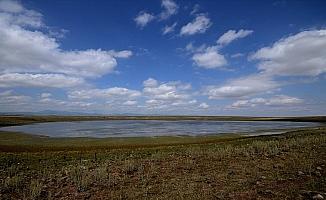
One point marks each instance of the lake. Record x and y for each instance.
(139, 128)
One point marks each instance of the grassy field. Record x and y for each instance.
(287, 166)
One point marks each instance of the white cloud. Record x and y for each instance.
(10, 6)
(209, 58)
(58, 104)
(281, 100)
(203, 105)
(8, 97)
(199, 25)
(39, 80)
(150, 82)
(143, 18)
(46, 95)
(170, 8)
(232, 35)
(242, 87)
(169, 29)
(31, 54)
(166, 95)
(237, 55)
(120, 54)
(278, 100)
(166, 91)
(195, 9)
(193, 49)
(301, 54)
(105, 94)
(129, 103)
(12, 12)
(22, 50)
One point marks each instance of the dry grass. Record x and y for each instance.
(266, 167)
(35, 189)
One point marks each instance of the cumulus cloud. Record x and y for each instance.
(29, 54)
(129, 103)
(13, 12)
(59, 104)
(143, 18)
(242, 87)
(22, 50)
(8, 97)
(203, 105)
(165, 95)
(10, 6)
(169, 29)
(39, 80)
(22, 103)
(193, 49)
(106, 94)
(150, 82)
(169, 8)
(46, 95)
(278, 100)
(232, 35)
(303, 54)
(209, 58)
(199, 25)
(166, 91)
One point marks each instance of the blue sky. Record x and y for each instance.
(261, 58)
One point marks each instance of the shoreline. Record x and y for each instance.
(22, 142)
(23, 120)
(279, 166)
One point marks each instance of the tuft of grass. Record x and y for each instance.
(81, 178)
(101, 173)
(130, 166)
(35, 189)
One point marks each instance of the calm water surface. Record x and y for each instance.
(132, 128)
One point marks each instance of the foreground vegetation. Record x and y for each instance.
(287, 166)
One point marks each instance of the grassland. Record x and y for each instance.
(287, 166)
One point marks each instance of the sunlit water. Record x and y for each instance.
(138, 128)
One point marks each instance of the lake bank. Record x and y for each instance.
(21, 142)
(286, 166)
(22, 120)
(155, 128)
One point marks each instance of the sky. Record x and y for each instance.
(164, 57)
